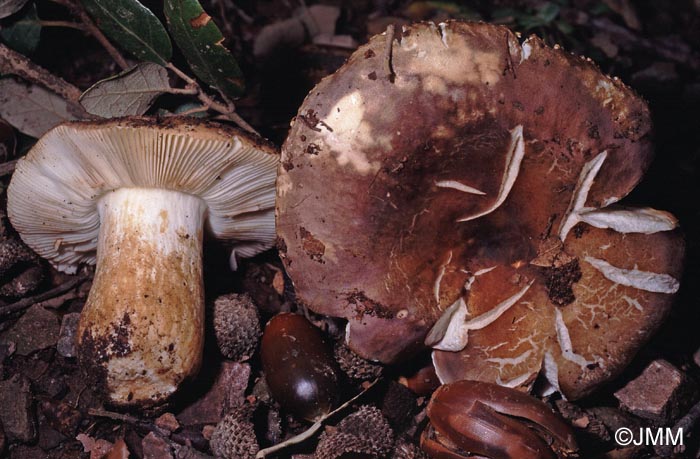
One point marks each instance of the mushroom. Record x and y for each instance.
(473, 208)
(135, 195)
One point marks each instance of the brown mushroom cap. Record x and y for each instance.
(450, 168)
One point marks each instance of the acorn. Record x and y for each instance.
(299, 367)
(234, 437)
(354, 366)
(365, 433)
(236, 326)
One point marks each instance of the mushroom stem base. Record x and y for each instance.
(141, 331)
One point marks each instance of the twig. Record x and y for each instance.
(677, 50)
(7, 168)
(308, 433)
(27, 302)
(684, 428)
(228, 112)
(183, 91)
(15, 63)
(115, 416)
(66, 24)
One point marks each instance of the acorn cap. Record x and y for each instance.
(354, 366)
(365, 431)
(473, 204)
(236, 326)
(234, 437)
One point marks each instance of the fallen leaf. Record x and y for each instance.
(31, 109)
(129, 93)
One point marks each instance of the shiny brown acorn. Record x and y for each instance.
(475, 418)
(299, 366)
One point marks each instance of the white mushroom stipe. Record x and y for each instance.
(578, 199)
(455, 185)
(643, 220)
(643, 280)
(149, 252)
(516, 153)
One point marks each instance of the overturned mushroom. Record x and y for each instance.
(473, 208)
(135, 195)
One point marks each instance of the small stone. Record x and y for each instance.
(23, 283)
(98, 449)
(155, 447)
(61, 416)
(66, 338)
(659, 394)
(16, 414)
(208, 431)
(2, 440)
(37, 329)
(119, 451)
(6, 349)
(168, 421)
(696, 357)
(27, 452)
(187, 452)
(227, 392)
(49, 438)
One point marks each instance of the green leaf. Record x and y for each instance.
(200, 40)
(130, 93)
(23, 34)
(564, 27)
(133, 27)
(548, 12)
(31, 109)
(10, 7)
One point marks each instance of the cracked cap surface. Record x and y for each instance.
(450, 168)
